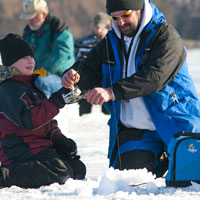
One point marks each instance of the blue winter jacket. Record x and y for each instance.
(173, 109)
(161, 78)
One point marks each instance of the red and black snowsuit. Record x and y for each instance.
(30, 141)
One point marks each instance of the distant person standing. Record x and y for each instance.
(101, 25)
(52, 42)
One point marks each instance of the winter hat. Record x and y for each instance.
(13, 47)
(102, 20)
(116, 5)
(32, 7)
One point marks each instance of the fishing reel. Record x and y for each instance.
(75, 95)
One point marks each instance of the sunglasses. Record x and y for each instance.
(123, 15)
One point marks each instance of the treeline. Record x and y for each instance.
(184, 15)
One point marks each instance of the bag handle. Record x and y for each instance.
(189, 134)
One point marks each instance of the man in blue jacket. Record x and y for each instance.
(52, 42)
(140, 73)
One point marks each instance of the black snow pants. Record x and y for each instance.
(86, 108)
(139, 158)
(44, 168)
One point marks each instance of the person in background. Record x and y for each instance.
(33, 151)
(139, 72)
(101, 25)
(52, 42)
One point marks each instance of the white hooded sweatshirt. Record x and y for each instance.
(134, 113)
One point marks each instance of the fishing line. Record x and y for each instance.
(80, 66)
(115, 120)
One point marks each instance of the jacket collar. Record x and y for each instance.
(27, 80)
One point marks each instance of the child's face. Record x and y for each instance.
(25, 65)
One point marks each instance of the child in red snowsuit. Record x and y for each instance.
(33, 151)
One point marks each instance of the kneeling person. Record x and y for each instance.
(33, 151)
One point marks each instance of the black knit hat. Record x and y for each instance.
(13, 47)
(116, 5)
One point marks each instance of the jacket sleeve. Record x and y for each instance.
(90, 69)
(61, 56)
(18, 108)
(165, 60)
(166, 57)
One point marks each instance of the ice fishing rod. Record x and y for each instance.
(88, 47)
(75, 95)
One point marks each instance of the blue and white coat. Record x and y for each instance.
(160, 80)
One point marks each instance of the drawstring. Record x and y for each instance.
(51, 132)
(126, 54)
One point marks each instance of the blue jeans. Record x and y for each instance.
(49, 84)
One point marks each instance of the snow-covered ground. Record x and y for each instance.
(91, 134)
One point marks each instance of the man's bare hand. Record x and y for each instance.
(98, 96)
(69, 78)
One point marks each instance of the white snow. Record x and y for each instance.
(91, 134)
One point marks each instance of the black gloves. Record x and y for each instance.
(57, 97)
(66, 147)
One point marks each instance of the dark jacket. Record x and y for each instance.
(84, 45)
(167, 42)
(26, 123)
